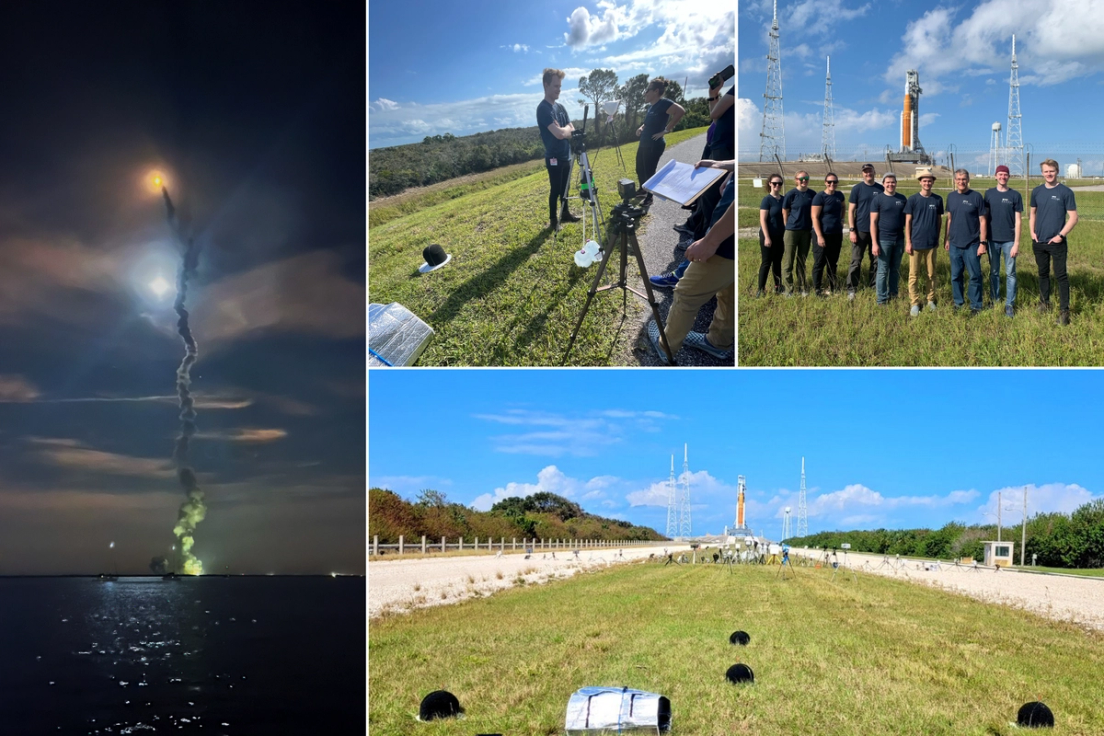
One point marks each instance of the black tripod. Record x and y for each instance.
(623, 223)
(588, 193)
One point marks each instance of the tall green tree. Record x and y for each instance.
(631, 96)
(598, 86)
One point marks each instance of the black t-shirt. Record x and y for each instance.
(831, 213)
(861, 194)
(1002, 208)
(548, 113)
(655, 120)
(723, 145)
(927, 217)
(800, 205)
(966, 211)
(891, 215)
(773, 206)
(1051, 206)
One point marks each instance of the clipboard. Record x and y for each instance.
(682, 183)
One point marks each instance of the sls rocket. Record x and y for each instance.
(910, 115)
(741, 487)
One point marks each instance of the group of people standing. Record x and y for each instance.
(884, 225)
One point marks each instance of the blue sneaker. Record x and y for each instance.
(653, 339)
(699, 341)
(666, 281)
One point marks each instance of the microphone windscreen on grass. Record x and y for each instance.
(740, 673)
(1035, 715)
(439, 704)
(739, 637)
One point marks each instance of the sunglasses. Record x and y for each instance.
(801, 178)
(831, 181)
(776, 183)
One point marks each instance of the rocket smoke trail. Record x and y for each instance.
(193, 509)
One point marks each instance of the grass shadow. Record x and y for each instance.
(488, 280)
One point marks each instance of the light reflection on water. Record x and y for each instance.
(205, 656)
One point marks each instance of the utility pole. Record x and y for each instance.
(1023, 534)
(672, 504)
(685, 528)
(998, 515)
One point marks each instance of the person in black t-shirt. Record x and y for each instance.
(1051, 203)
(662, 117)
(555, 131)
(858, 216)
(772, 229)
(828, 226)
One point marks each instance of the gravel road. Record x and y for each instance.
(402, 585)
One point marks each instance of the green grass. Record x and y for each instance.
(1095, 572)
(509, 296)
(876, 656)
(835, 332)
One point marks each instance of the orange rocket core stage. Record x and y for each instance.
(906, 123)
(740, 510)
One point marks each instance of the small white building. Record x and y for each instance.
(998, 554)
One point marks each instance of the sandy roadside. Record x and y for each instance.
(1060, 597)
(403, 585)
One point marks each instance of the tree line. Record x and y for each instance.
(541, 516)
(439, 157)
(1060, 540)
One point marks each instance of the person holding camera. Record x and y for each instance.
(555, 132)
(662, 117)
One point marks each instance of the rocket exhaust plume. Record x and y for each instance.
(193, 510)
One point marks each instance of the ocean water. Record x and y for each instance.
(209, 655)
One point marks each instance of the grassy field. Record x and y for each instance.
(510, 296)
(842, 658)
(835, 332)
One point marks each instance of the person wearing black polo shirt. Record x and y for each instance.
(887, 241)
(1051, 202)
(797, 211)
(1005, 212)
(662, 117)
(858, 219)
(965, 239)
(923, 220)
(828, 226)
(555, 132)
(772, 230)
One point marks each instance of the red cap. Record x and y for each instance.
(1003, 168)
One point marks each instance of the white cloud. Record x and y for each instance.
(819, 17)
(1056, 40)
(410, 122)
(585, 29)
(556, 435)
(1061, 497)
(704, 490)
(384, 104)
(549, 480)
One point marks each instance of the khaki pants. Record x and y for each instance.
(925, 258)
(699, 284)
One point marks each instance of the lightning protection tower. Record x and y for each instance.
(828, 137)
(672, 504)
(772, 139)
(802, 507)
(1013, 137)
(684, 502)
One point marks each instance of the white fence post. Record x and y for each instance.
(400, 544)
(442, 544)
(423, 544)
(375, 545)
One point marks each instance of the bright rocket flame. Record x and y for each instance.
(155, 180)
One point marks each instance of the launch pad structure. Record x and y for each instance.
(910, 151)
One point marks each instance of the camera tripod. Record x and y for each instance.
(623, 224)
(784, 564)
(837, 565)
(588, 193)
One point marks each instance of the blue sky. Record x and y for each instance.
(963, 56)
(876, 456)
(433, 68)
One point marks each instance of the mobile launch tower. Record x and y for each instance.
(911, 151)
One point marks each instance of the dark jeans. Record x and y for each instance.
(647, 158)
(559, 176)
(863, 246)
(826, 256)
(1044, 252)
(705, 204)
(966, 259)
(771, 259)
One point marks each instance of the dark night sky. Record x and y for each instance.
(255, 114)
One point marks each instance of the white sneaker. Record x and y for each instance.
(915, 311)
(931, 306)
